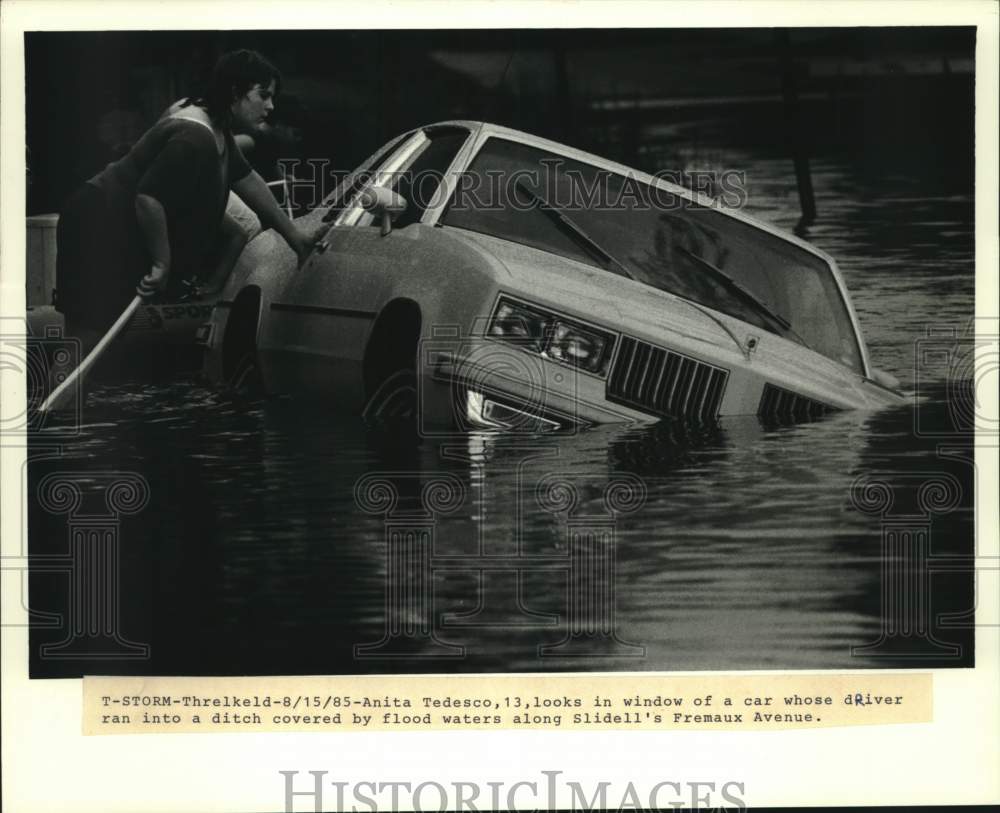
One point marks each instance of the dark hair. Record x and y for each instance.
(234, 75)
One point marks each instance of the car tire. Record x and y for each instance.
(240, 363)
(395, 399)
(246, 379)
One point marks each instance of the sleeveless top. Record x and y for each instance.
(177, 162)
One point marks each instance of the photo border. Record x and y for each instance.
(47, 762)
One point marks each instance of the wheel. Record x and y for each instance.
(240, 365)
(394, 399)
(390, 364)
(246, 379)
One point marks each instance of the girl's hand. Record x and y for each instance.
(304, 242)
(154, 282)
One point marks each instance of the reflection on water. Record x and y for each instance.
(279, 538)
(257, 551)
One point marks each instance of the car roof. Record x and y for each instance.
(489, 129)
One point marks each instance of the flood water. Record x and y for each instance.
(262, 549)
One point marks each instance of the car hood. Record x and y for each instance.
(619, 303)
(597, 295)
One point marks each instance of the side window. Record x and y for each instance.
(357, 180)
(420, 182)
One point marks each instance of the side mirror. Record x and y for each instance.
(383, 203)
(887, 380)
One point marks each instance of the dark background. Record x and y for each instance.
(886, 95)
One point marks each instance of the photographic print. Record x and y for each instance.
(649, 372)
(386, 349)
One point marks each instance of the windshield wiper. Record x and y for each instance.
(564, 219)
(746, 295)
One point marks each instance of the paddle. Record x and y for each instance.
(60, 393)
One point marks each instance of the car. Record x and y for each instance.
(479, 276)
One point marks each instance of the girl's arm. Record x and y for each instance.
(258, 197)
(233, 240)
(153, 225)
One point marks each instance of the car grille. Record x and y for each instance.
(780, 403)
(662, 382)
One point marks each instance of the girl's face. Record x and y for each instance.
(250, 110)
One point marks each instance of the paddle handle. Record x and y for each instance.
(59, 394)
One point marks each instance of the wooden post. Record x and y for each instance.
(796, 130)
(564, 102)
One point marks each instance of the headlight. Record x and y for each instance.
(519, 324)
(548, 334)
(580, 347)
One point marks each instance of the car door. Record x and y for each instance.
(329, 307)
(319, 319)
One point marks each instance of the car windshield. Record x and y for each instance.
(527, 195)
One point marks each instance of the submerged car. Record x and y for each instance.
(486, 277)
